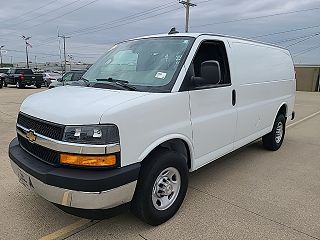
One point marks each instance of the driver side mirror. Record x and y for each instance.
(210, 74)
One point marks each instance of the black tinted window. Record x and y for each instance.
(24, 71)
(77, 76)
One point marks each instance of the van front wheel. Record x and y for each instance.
(273, 140)
(161, 187)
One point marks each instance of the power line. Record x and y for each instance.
(62, 15)
(306, 50)
(119, 25)
(138, 20)
(132, 16)
(31, 11)
(314, 35)
(293, 39)
(257, 17)
(287, 31)
(46, 13)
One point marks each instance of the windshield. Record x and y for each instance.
(147, 64)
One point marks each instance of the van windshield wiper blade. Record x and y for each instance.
(85, 80)
(121, 83)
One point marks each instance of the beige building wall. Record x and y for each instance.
(307, 78)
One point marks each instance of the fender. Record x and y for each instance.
(286, 105)
(163, 139)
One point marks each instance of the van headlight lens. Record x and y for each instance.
(92, 134)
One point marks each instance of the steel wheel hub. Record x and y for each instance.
(166, 188)
(279, 132)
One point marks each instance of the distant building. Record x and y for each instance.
(308, 77)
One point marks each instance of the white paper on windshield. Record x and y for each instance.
(161, 75)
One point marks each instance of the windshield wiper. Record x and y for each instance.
(121, 83)
(86, 81)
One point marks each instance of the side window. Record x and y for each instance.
(76, 76)
(216, 51)
(67, 77)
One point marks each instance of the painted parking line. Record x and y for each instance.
(303, 119)
(70, 229)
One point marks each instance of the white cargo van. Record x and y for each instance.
(152, 110)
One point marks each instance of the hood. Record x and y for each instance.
(71, 105)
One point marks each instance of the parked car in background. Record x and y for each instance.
(3, 73)
(50, 77)
(22, 77)
(69, 78)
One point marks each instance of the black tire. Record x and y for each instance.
(4, 83)
(273, 141)
(38, 85)
(1, 83)
(158, 161)
(19, 85)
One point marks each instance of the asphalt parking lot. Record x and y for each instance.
(249, 194)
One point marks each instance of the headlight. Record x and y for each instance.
(92, 134)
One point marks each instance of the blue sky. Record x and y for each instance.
(95, 25)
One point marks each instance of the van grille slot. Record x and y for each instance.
(42, 127)
(42, 153)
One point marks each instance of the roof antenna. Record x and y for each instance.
(173, 31)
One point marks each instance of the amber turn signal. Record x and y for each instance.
(88, 160)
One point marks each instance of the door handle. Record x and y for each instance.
(234, 97)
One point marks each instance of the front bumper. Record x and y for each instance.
(71, 187)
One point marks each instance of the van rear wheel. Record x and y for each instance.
(273, 140)
(161, 187)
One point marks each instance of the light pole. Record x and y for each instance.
(70, 59)
(64, 50)
(27, 45)
(1, 53)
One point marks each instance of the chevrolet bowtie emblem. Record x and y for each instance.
(31, 136)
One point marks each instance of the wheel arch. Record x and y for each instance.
(283, 108)
(175, 142)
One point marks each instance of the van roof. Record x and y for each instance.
(195, 35)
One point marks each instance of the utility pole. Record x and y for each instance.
(27, 45)
(35, 61)
(187, 4)
(1, 53)
(64, 37)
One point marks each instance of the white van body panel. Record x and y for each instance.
(212, 115)
(265, 80)
(157, 117)
(71, 105)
